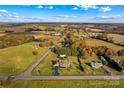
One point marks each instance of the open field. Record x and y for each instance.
(67, 84)
(117, 37)
(96, 42)
(2, 34)
(15, 60)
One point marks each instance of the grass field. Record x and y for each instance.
(117, 37)
(96, 42)
(14, 60)
(67, 84)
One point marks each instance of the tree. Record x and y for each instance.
(68, 40)
(80, 52)
(35, 52)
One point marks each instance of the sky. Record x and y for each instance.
(62, 13)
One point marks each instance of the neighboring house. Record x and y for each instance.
(102, 58)
(96, 65)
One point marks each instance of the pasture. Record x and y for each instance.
(15, 60)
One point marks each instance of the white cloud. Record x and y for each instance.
(75, 8)
(17, 16)
(110, 17)
(10, 15)
(64, 16)
(105, 9)
(40, 6)
(86, 7)
(51, 7)
(3, 11)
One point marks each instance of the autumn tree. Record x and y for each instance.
(68, 40)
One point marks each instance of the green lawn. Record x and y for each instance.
(15, 60)
(45, 67)
(74, 70)
(66, 84)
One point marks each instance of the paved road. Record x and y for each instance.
(65, 77)
(70, 77)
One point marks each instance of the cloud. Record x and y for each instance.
(17, 16)
(64, 16)
(109, 17)
(40, 6)
(105, 9)
(3, 11)
(14, 17)
(75, 8)
(51, 7)
(86, 7)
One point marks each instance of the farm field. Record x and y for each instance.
(2, 34)
(14, 60)
(117, 83)
(117, 37)
(95, 42)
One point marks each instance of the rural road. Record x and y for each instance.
(29, 70)
(69, 77)
(115, 77)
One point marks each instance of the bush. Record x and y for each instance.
(35, 52)
(41, 45)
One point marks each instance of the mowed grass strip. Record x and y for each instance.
(15, 60)
(102, 83)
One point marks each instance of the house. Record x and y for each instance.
(62, 64)
(96, 65)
